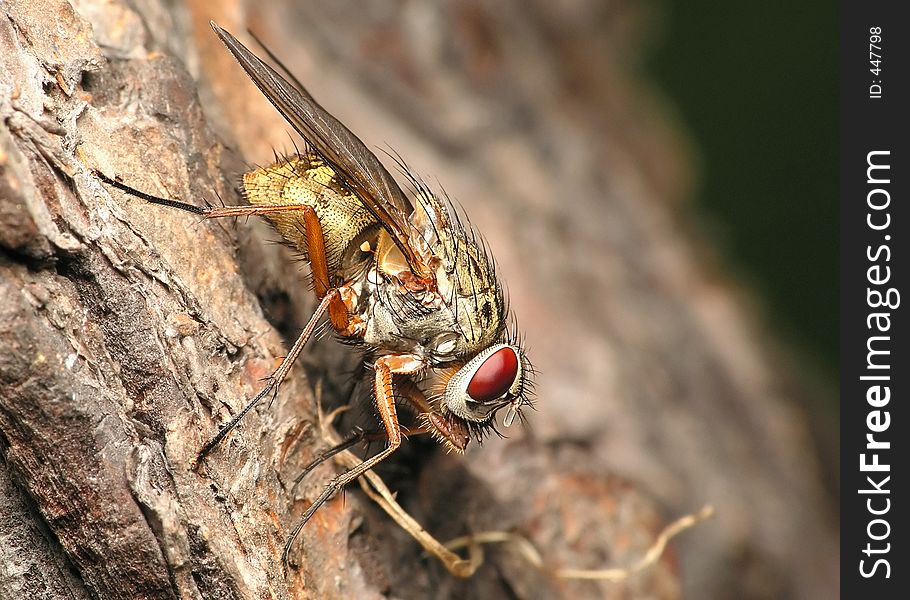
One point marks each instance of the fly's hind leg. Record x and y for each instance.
(331, 301)
(315, 239)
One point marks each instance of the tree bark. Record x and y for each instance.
(129, 333)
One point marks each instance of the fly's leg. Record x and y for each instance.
(376, 490)
(330, 298)
(315, 240)
(385, 367)
(407, 393)
(274, 380)
(331, 301)
(357, 436)
(353, 439)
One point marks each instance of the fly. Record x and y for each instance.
(399, 275)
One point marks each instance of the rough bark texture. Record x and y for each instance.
(129, 332)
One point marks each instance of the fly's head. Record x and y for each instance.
(470, 394)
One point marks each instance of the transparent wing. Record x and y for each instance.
(349, 156)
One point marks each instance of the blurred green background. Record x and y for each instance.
(756, 87)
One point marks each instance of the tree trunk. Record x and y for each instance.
(129, 332)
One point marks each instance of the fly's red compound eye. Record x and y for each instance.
(495, 376)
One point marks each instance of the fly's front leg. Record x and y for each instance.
(384, 388)
(405, 392)
(356, 437)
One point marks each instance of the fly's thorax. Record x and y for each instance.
(465, 273)
(468, 280)
(403, 321)
(306, 179)
(459, 313)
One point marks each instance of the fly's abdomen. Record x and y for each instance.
(307, 179)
